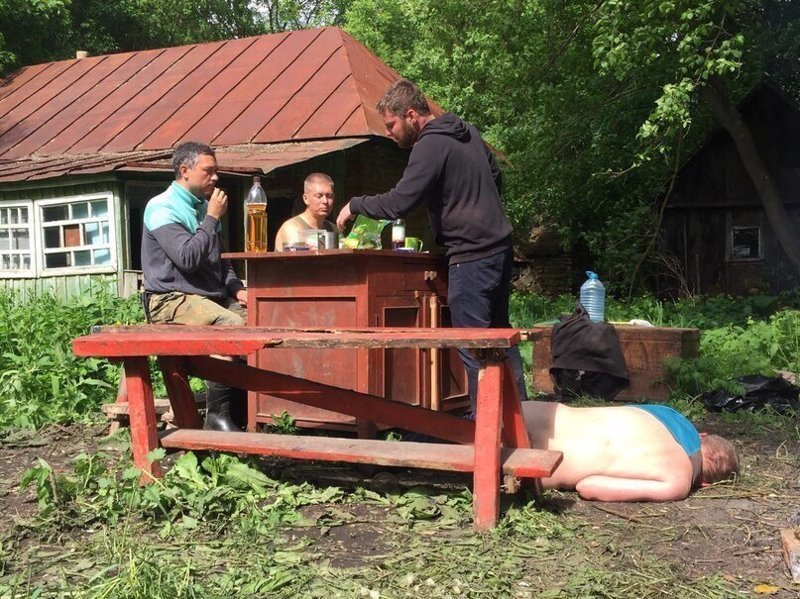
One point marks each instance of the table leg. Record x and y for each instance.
(142, 413)
(180, 393)
(515, 433)
(486, 480)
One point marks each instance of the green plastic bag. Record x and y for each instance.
(365, 234)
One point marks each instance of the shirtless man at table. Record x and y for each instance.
(318, 198)
(627, 452)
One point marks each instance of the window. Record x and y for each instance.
(59, 236)
(746, 243)
(16, 234)
(76, 233)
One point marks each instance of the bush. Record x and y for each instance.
(41, 380)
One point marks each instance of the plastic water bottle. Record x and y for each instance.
(593, 297)
(255, 217)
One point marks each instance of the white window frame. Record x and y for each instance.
(40, 205)
(21, 273)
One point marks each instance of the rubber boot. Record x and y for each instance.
(219, 398)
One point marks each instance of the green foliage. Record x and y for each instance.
(217, 492)
(595, 104)
(42, 30)
(41, 380)
(282, 424)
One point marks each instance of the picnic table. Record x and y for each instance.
(495, 444)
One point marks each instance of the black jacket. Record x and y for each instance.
(453, 171)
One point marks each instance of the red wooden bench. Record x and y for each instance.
(496, 443)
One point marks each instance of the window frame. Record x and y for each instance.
(734, 258)
(40, 205)
(27, 273)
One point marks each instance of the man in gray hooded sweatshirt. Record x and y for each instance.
(455, 174)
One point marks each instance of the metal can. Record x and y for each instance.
(330, 240)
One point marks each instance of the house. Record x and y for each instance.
(85, 143)
(714, 224)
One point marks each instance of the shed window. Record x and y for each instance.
(16, 234)
(76, 233)
(746, 243)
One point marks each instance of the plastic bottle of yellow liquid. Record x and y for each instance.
(255, 214)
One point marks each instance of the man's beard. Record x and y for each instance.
(408, 136)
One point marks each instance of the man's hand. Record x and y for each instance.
(345, 216)
(217, 204)
(241, 297)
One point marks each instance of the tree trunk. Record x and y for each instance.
(716, 94)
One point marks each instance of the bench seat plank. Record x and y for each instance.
(524, 463)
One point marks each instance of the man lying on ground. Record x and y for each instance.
(628, 453)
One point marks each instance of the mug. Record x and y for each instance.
(413, 243)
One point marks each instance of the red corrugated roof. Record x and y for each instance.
(294, 86)
(247, 158)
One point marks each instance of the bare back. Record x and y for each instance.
(623, 448)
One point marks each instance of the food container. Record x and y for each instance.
(315, 239)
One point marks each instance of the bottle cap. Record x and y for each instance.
(591, 275)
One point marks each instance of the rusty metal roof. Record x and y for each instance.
(247, 158)
(101, 113)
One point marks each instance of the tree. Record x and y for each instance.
(595, 102)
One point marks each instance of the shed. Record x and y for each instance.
(85, 143)
(714, 222)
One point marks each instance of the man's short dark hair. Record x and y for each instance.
(187, 153)
(401, 96)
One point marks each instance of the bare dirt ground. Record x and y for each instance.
(732, 530)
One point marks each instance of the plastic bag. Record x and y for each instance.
(365, 234)
(759, 391)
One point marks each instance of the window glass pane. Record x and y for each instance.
(100, 208)
(105, 236)
(745, 242)
(80, 210)
(23, 216)
(56, 260)
(83, 258)
(52, 237)
(26, 262)
(72, 235)
(53, 213)
(13, 216)
(20, 239)
(91, 234)
(5, 244)
(15, 261)
(4, 216)
(102, 256)
(5, 261)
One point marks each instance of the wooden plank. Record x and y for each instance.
(486, 502)
(143, 417)
(361, 405)
(790, 539)
(180, 394)
(166, 340)
(435, 456)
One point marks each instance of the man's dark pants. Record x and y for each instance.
(478, 293)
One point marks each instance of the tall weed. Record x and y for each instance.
(41, 380)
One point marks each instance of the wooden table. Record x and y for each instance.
(495, 444)
(346, 289)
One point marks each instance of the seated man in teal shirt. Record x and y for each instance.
(186, 281)
(628, 452)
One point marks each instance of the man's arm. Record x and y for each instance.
(611, 488)
(421, 174)
(497, 174)
(186, 251)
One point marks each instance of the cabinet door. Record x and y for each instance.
(397, 374)
(453, 391)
